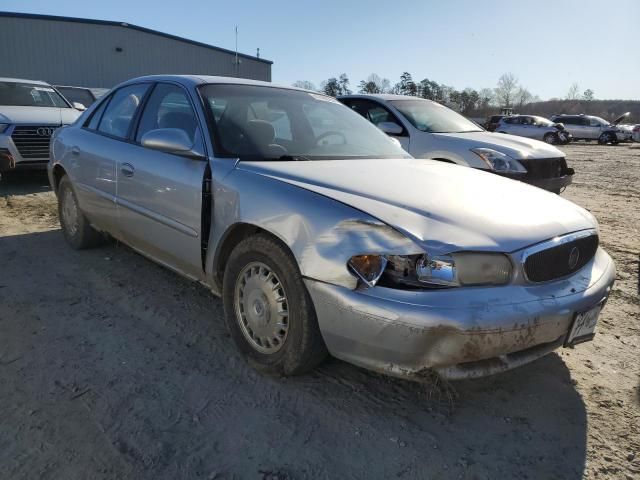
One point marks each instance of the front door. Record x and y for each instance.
(377, 113)
(160, 194)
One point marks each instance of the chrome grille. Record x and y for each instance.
(33, 141)
(561, 260)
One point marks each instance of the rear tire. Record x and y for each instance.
(76, 228)
(268, 310)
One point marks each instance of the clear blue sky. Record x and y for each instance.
(547, 44)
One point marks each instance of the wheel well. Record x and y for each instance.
(445, 160)
(234, 235)
(58, 173)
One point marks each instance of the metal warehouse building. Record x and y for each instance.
(97, 53)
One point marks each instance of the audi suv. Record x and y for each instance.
(30, 111)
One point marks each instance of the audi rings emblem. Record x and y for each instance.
(45, 131)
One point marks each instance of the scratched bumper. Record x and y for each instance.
(459, 332)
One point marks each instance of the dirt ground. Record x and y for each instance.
(112, 367)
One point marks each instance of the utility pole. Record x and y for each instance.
(237, 61)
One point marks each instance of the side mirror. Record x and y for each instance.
(390, 128)
(170, 140)
(79, 106)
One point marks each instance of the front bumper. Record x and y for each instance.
(458, 332)
(551, 184)
(17, 162)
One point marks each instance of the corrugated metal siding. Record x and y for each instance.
(68, 53)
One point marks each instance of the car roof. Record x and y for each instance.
(23, 80)
(385, 97)
(195, 80)
(72, 86)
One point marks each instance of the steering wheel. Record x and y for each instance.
(330, 134)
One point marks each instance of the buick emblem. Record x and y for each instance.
(45, 131)
(574, 256)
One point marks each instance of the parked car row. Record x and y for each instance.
(323, 235)
(562, 129)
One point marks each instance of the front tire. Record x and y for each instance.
(268, 310)
(606, 138)
(551, 138)
(76, 228)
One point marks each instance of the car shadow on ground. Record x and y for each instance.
(112, 366)
(24, 182)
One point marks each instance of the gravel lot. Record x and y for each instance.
(112, 367)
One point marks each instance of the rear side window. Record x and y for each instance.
(168, 107)
(124, 104)
(97, 115)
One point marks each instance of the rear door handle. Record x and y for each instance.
(75, 151)
(127, 169)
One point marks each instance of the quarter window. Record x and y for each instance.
(117, 118)
(168, 107)
(97, 115)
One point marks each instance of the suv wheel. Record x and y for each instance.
(268, 310)
(605, 138)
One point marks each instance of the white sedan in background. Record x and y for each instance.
(427, 129)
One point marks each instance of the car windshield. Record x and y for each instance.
(434, 118)
(30, 95)
(267, 123)
(79, 95)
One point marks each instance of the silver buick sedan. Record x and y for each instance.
(323, 236)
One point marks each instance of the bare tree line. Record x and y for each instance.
(508, 92)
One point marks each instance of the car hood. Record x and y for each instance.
(514, 146)
(38, 115)
(442, 207)
(620, 118)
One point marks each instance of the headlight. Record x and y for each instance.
(368, 268)
(3, 127)
(498, 161)
(426, 271)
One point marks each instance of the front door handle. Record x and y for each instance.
(127, 169)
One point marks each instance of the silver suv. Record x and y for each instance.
(29, 113)
(587, 127)
(531, 126)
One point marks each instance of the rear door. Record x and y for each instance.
(160, 194)
(94, 150)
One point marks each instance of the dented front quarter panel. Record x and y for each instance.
(322, 233)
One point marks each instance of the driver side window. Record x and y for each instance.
(168, 107)
(374, 112)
